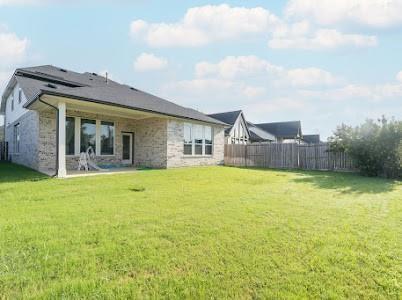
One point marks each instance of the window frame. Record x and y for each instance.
(17, 138)
(74, 137)
(19, 95)
(77, 136)
(193, 143)
(99, 132)
(12, 102)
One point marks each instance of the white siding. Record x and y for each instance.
(14, 114)
(239, 134)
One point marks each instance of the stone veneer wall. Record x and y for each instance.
(175, 157)
(29, 132)
(149, 141)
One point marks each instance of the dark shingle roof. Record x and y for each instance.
(229, 117)
(52, 80)
(258, 134)
(287, 130)
(312, 138)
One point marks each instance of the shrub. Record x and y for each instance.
(375, 146)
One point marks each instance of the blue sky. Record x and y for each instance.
(306, 60)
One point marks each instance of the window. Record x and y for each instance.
(198, 139)
(17, 138)
(70, 136)
(12, 102)
(107, 138)
(19, 95)
(208, 140)
(88, 135)
(188, 140)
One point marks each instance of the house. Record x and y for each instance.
(285, 132)
(259, 135)
(312, 138)
(53, 114)
(238, 132)
(1, 133)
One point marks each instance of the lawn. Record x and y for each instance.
(209, 232)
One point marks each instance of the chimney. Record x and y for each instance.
(106, 78)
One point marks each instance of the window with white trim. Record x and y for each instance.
(188, 140)
(208, 140)
(88, 135)
(84, 133)
(19, 95)
(198, 139)
(70, 135)
(107, 138)
(17, 138)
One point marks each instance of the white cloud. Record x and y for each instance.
(12, 48)
(310, 77)
(149, 62)
(399, 76)
(254, 68)
(234, 67)
(205, 24)
(374, 13)
(354, 92)
(299, 36)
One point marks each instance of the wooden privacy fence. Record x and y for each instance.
(3, 150)
(287, 156)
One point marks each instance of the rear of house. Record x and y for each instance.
(52, 115)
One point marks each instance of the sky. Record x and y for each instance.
(323, 62)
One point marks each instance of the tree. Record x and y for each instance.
(375, 146)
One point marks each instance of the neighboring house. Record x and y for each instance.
(238, 132)
(312, 138)
(52, 115)
(259, 135)
(285, 132)
(1, 133)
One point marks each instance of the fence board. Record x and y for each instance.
(286, 156)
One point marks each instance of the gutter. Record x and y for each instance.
(57, 133)
(52, 93)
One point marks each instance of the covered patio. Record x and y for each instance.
(120, 139)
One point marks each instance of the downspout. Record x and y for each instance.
(57, 133)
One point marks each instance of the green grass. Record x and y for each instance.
(212, 232)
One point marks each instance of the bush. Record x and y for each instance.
(375, 146)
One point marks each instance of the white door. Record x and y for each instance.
(127, 142)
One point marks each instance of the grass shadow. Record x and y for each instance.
(10, 172)
(343, 182)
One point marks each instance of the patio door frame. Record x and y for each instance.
(131, 135)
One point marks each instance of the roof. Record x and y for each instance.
(286, 130)
(312, 138)
(258, 134)
(229, 117)
(50, 80)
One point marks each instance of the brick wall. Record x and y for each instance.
(29, 132)
(175, 157)
(149, 141)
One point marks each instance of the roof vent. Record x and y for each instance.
(63, 70)
(51, 86)
(94, 74)
(131, 88)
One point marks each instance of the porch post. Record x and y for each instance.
(62, 140)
